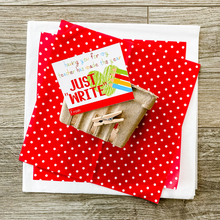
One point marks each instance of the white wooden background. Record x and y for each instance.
(14, 15)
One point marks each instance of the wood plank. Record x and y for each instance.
(113, 2)
(209, 102)
(207, 17)
(18, 205)
(57, 206)
(208, 151)
(12, 90)
(208, 145)
(13, 28)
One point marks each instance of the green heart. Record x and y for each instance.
(100, 78)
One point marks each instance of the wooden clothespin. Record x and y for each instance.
(107, 119)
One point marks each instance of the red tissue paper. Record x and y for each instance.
(150, 160)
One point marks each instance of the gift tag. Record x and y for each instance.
(94, 80)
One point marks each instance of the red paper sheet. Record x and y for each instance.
(139, 169)
(172, 48)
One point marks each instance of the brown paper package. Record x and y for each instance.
(132, 112)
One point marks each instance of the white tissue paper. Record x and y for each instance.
(188, 165)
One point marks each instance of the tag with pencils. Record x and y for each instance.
(121, 80)
(84, 79)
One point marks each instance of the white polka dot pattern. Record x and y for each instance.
(150, 159)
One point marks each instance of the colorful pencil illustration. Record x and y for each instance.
(120, 71)
(121, 80)
(122, 77)
(116, 86)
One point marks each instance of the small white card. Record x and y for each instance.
(94, 80)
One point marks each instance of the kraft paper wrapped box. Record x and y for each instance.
(132, 113)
